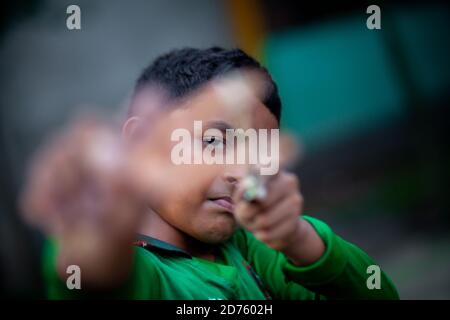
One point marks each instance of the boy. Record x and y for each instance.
(197, 237)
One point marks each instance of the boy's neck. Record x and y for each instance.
(156, 227)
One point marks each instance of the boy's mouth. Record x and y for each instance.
(225, 202)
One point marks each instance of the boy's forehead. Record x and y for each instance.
(215, 109)
(263, 118)
(232, 102)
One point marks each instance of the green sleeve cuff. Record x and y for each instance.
(328, 267)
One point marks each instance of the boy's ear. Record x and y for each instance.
(130, 127)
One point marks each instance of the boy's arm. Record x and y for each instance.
(88, 188)
(341, 272)
(133, 287)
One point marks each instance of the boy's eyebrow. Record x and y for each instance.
(218, 124)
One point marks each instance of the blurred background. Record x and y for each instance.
(370, 109)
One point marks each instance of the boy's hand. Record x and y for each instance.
(89, 188)
(78, 191)
(275, 221)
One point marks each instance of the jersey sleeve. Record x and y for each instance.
(341, 273)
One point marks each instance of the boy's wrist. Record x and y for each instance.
(306, 246)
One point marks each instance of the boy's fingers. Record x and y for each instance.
(275, 191)
(246, 212)
(272, 217)
(279, 187)
(37, 199)
(267, 211)
(67, 173)
(276, 233)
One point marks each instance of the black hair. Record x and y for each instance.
(181, 71)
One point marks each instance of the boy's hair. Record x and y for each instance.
(181, 71)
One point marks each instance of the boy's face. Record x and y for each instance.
(201, 206)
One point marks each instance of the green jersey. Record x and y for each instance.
(245, 268)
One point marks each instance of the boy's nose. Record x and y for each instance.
(234, 174)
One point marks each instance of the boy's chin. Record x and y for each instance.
(217, 236)
(216, 239)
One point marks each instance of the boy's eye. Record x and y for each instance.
(215, 141)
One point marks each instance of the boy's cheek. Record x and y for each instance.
(183, 200)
